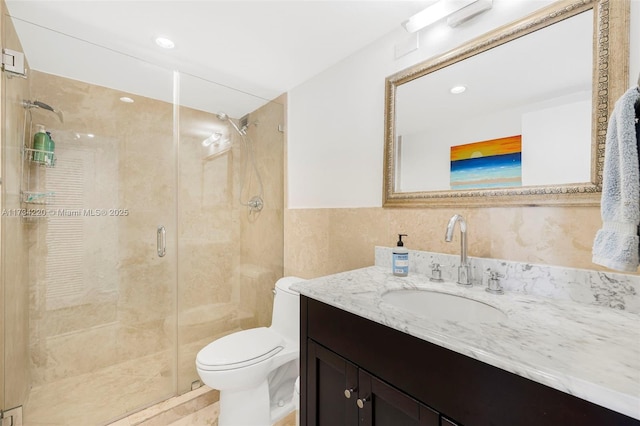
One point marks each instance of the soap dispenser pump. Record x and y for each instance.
(400, 263)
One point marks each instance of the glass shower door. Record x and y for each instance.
(101, 302)
(14, 238)
(231, 251)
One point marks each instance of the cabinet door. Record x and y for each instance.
(332, 386)
(383, 405)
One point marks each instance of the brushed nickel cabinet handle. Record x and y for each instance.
(360, 402)
(348, 392)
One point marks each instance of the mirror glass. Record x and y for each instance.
(521, 129)
(516, 89)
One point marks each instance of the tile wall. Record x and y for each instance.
(325, 241)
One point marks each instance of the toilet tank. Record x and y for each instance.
(286, 309)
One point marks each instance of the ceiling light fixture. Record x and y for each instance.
(456, 90)
(469, 12)
(126, 100)
(165, 43)
(434, 13)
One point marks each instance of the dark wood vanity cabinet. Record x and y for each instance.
(357, 372)
(347, 395)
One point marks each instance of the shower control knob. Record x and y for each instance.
(360, 402)
(348, 392)
(256, 204)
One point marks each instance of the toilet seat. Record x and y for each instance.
(240, 349)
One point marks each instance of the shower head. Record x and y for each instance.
(224, 117)
(38, 104)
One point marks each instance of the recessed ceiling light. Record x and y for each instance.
(126, 100)
(456, 90)
(165, 43)
(91, 135)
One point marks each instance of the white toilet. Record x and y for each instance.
(255, 370)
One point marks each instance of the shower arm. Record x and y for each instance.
(37, 104)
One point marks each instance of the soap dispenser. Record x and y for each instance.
(400, 263)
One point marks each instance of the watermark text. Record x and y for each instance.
(53, 212)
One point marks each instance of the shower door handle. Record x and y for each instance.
(162, 241)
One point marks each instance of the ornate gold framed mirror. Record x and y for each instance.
(539, 94)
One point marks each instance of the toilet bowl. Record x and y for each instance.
(255, 370)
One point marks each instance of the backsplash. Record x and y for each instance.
(608, 289)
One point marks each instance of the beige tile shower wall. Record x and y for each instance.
(262, 240)
(14, 349)
(326, 241)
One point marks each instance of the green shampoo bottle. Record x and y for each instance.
(50, 147)
(39, 144)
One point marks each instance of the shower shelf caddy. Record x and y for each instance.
(34, 162)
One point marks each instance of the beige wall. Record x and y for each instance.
(262, 243)
(325, 241)
(14, 366)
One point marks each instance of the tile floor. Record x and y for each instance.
(72, 400)
(122, 388)
(196, 408)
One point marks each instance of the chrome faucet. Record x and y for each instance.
(463, 269)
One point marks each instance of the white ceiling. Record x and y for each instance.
(253, 50)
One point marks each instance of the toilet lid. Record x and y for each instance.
(240, 349)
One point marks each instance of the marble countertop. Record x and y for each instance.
(588, 351)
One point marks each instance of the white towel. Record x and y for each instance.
(616, 245)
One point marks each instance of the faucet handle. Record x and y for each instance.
(493, 282)
(493, 275)
(436, 273)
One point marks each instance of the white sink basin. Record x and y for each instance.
(443, 306)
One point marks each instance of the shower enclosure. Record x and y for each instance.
(135, 245)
